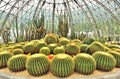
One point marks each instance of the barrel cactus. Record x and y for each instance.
(17, 63)
(4, 57)
(45, 50)
(52, 47)
(29, 48)
(64, 41)
(116, 55)
(104, 60)
(59, 50)
(37, 64)
(41, 44)
(96, 46)
(83, 48)
(77, 41)
(17, 51)
(18, 47)
(51, 38)
(72, 48)
(84, 63)
(62, 65)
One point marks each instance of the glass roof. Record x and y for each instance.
(83, 14)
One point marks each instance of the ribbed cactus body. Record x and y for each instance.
(29, 48)
(72, 49)
(59, 50)
(51, 38)
(96, 46)
(41, 44)
(83, 48)
(17, 51)
(37, 64)
(52, 47)
(45, 50)
(17, 63)
(84, 63)
(104, 60)
(62, 65)
(64, 41)
(4, 57)
(116, 55)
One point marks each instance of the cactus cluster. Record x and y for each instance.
(17, 51)
(72, 48)
(17, 63)
(41, 44)
(84, 63)
(62, 65)
(59, 50)
(37, 64)
(52, 47)
(4, 57)
(45, 50)
(116, 55)
(96, 46)
(104, 60)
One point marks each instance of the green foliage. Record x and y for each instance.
(62, 65)
(88, 41)
(17, 63)
(37, 64)
(104, 60)
(84, 63)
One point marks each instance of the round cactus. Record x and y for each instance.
(64, 41)
(18, 47)
(37, 64)
(84, 63)
(29, 48)
(40, 45)
(96, 46)
(72, 48)
(17, 63)
(77, 41)
(59, 50)
(45, 50)
(17, 51)
(83, 48)
(104, 60)
(62, 65)
(4, 57)
(52, 47)
(51, 38)
(116, 55)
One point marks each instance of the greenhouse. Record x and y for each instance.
(59, 39)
